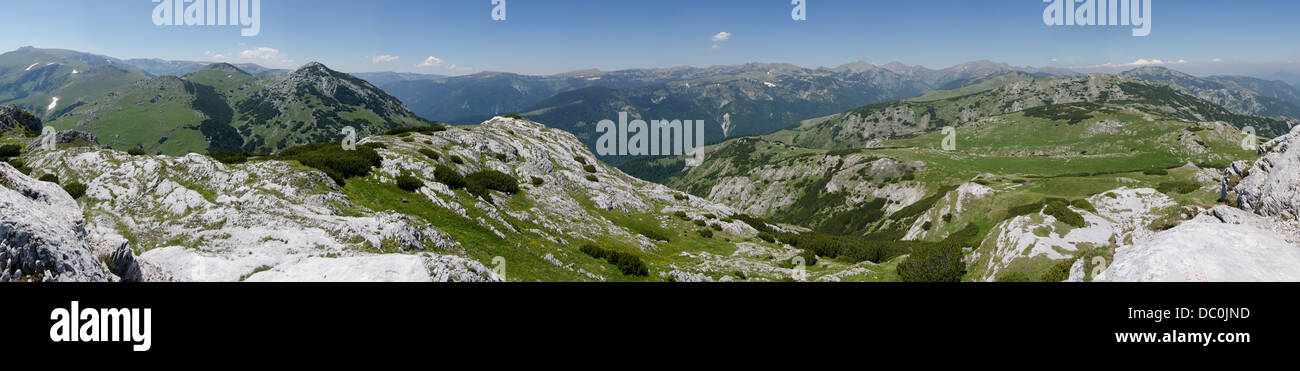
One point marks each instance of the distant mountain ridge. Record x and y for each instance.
(1244, 94)
(222, 108)
(159, 67)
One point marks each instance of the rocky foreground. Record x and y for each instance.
(1258, 241)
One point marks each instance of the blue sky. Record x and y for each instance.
(550, 36)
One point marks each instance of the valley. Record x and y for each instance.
(981, 172)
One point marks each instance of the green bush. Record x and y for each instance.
(416, 129)
(446, 175)
(767, 236)
(430, 154)
(536, 182)
(135, 152)
(589, 168)
(1013, 277)
(1156, 172)
(706, 233)
(1183, 187)
(653, 234)
(50, 178)
(10, 150)
(580, 159)
(1063, 213)
(933, 263)
(332, 159)
(592, 178)
(1083, 204)
(629, 264)
(76, 190)
(680, 197)
(409, 183)
(701, 223)
(456, 160)
(809, 257)
(231, 158)
(481, 182)
(514, 116)
(1059, 272)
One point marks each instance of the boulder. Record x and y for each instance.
(42, 233)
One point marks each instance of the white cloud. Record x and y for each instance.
(214, 55)
(431, 61)
(1216, 60)
(722, 36)
(378, 59)
(1138, 63)
(263, 53)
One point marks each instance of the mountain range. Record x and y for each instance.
(224, 109)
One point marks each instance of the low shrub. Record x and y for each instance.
(933, 263)
(456, 159)
(416, 129)
(481, 182)
(231, 158)
(1061, 212)
(409, 183)
(536, 182)
(332, 159)
(589, 168)
(135, 152)
(653, 234)
(1058, 272)
(10, 150)
(1013, 277)
(706, 233)
(446, 175)
(1156, 172)
(76, 190)
(430, 154)
(1083, 204)
(592, 178)
(629, 264)
(50, 178)
(1182, 187)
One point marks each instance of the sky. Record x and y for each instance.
(456, 37)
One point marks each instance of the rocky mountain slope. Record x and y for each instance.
(193, 218)
(1244, 94)
(1259, 240)
(1081, 167)
(224, 109)
(869, 125)
(51, 82)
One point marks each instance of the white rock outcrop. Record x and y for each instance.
(1258, 242)
(42, 233)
